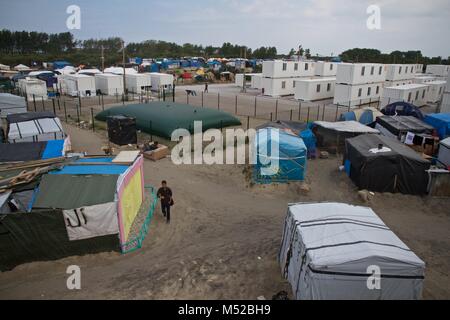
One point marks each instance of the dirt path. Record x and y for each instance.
(224, 237)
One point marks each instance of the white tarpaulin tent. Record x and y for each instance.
(10, 104)
(36, 130)
(329, 250)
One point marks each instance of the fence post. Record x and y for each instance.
(65, 110)
(173, 92)
(349, 106)
(203, 97)
(323, 113)
(59, 103)
(248, 122)
(54, 106)
(271, 116)
(276, 110)
(300, 111)
(34, 102)
(187, 97)
(43, 103)
(291, 115)
(337, 111)
(218, 100)
(318, 112)
(92, 118)
(236, 106)
(164, 94)
(307, 117)
(117, 96)
(103, 103)
(79, 99)
(151, 134)
(78, 115)
(255, 106)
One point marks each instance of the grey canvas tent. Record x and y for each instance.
(329, 249)
(11, 104)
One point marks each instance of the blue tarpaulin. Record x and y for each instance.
(441, 122)
(290, 162)
(53, 149)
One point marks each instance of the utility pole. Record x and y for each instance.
(244, 81)
(125, 96)
(103, 58)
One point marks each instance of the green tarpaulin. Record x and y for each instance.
(162, 118)
(71, 192)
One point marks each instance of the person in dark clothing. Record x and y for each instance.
(165, 195)
(206, 87)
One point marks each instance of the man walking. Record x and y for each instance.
(206, 87)
(165, 195)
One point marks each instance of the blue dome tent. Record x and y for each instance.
(402, 109)
(288, 164)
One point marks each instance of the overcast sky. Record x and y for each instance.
(324, 26)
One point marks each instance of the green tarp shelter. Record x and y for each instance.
(162, 118)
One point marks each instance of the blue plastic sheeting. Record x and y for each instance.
(401, 108)
(367, 117)
(92, 170)
(53, 149)
(310, 142)
(348, 167)
(289, 165)
(441, 122)
(94, 160)
(348, 116)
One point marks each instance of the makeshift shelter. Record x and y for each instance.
(441, 122)
(163, 118)
(122, 130)
(10, 104)
(381, 164)
(280, 157)
(78, 85)
(139, 82)
(444, 152)
(365, 116)
(331, 136)
(27, 151)
(328, 252)
(401, 108)
(109, 84)
(398, 126)
(88, 206)
(33, 89)
(33, 127)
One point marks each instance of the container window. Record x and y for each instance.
(284, 66)
(331, 66)
(318, 88)
(440, 90)
(417, 95)
(400, 70)
(363, 71)
(423, 94)
(360, 92)
(293, 85)
(372, 71)
(409, 97)
(369, 90)
(283, 85)
(306, 67)
(329, 87)
(381, 70)
(378, 90)
(296, 66)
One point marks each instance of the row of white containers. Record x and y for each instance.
(314, 89)
(445, 104)
(33, 88)
(112, 84)
(255, 80)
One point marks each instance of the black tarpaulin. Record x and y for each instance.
(402, 124)
(122, 130)
(42, 236)
(26, 151)
(399, 170)
(28, 116)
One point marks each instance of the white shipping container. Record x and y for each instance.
(424, 79)
(239, 79)
(314, 89)
(445, 105)
(438, 70)
(416, 94)
(278, 87)
(109, 84)
(78, 84)
(326, 69)
(161, 80)
(33, 87)
(398, 83)
(447, 87)
(360, 73)
(256, 81)
(139, 82)
(355, 95)
(397, 72)
(419, 68)
(288, 69)
(436, 90)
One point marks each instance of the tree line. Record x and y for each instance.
(27, 47)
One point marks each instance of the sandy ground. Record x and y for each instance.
(224, 237)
